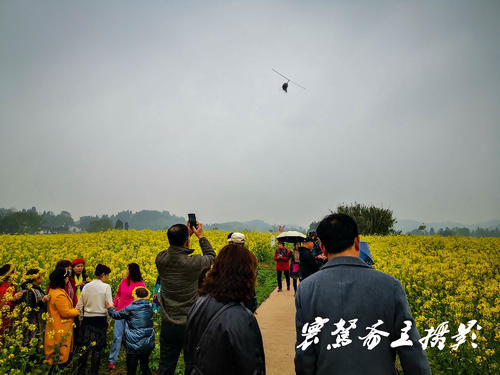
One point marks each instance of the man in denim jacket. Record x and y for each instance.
(351, 318)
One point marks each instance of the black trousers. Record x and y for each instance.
(171, 342)
(93, 330)
(287, 277)
(56, 369)
(133, 359)
(294, 285)
(95, 361)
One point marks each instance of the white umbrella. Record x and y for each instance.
(291, 236)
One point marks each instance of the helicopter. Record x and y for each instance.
(284, 87)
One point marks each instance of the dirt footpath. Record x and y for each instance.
(276, 317)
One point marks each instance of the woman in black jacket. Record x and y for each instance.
(222, 335)
(36, 300)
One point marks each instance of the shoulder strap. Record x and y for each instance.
(210, 323)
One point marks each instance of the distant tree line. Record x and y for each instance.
(30, 221)
(456, 231)
(25, 221)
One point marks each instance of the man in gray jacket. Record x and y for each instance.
(351, 318)
(179, 274)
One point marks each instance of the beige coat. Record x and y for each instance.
(59, 328)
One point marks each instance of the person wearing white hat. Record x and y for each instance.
(236, 238)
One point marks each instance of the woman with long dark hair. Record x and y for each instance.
(219, 319)
(70, 287)
(123, 298)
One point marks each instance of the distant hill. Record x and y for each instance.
(156, 220)
(241, 226)
(251, 226)
(148, 219)
(145, 219)
(406, 226)
(490, 224)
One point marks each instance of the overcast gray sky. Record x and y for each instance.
(106, 106)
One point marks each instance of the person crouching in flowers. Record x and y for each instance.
(139, 333)
(92, 306)
(123, 298)
(59, 328)
(8, 297)
(35, 301)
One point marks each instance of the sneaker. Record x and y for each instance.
(279, 290)
(287, 288)
(111, 365)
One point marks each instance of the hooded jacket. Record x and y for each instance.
(139, 332)
(222, 339)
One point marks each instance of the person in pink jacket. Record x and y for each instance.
(123, 298)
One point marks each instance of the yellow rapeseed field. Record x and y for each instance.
(447, 279)
(115, 249)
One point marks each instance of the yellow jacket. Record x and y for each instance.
(59, 328)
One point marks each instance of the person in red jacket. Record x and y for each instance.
(281, 257)
(8, 298)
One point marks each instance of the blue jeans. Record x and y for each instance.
(118, 334)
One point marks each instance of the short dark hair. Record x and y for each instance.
(178, 234)
(337, 232)
(63, 263)
(141, 292)
(101, 269)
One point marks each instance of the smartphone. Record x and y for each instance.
(192, 220)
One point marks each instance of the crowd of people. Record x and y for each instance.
(305, 259)
(207, 303)
(76, 314)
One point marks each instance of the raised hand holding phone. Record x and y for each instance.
(192, 221)
(198, 230)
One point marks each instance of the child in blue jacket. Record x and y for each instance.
(139, 332)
